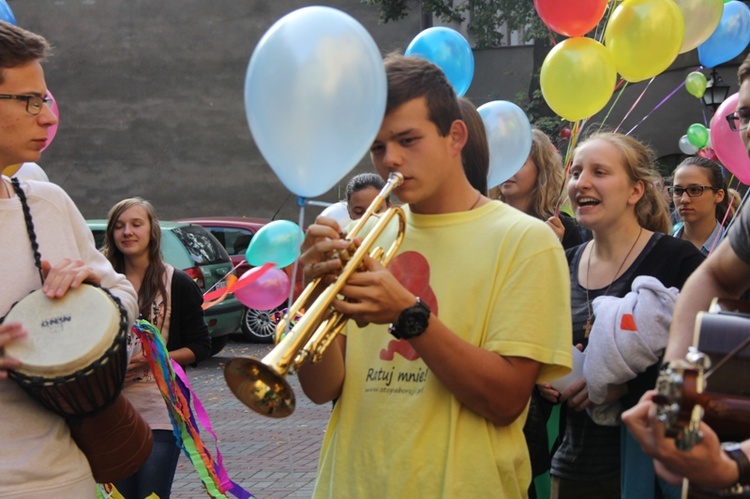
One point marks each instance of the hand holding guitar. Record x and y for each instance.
(705, 464)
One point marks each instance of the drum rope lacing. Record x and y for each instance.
(29, 225)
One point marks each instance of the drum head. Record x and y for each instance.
(65, 334)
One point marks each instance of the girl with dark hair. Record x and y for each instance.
(360, 193)
(171, 301)
(700, 197)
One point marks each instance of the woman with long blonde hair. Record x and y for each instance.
(613, 191)
(536, 188)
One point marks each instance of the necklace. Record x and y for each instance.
(479, 196)
(590, 319)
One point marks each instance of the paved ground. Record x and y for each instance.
(270, 458)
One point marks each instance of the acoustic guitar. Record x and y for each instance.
(711, 384)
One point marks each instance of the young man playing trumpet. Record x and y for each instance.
(478, 303)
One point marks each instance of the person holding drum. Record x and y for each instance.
(724, 274)
(171, 301)
(44, 244)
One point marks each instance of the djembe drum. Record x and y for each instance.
(73, 362)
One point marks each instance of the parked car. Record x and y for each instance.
(235, 233)
(194, 250)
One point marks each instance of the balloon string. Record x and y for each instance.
(574, 134)
(635, 104)
(665, 99)
(607, 14)
(619, 94)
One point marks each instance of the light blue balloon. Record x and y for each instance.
(6, 14)
(509, 137)
(315, 93)
(276, 242)
(730, 38)
(449, 50)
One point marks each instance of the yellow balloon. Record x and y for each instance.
(701, 19)
(645, 37)
(578, 78)
(11, 170)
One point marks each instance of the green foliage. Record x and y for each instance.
(485, 17)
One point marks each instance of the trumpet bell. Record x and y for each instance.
(259, 387)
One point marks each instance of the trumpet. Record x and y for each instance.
(261, 384)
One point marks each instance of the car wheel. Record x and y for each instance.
(218, 343)
(258, 325)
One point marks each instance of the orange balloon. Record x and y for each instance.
(578, 78)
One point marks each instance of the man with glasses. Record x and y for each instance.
(724, 274)
(38, 455)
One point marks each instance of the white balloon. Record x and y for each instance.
(509, 137)
(315, 93)
(686, 147)
(339, 212)
(31, 171)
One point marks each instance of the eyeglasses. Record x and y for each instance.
(738, 120)
(693, 191)
(34, 103)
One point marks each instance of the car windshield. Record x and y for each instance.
(202, 248)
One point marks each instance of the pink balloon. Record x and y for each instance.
(266, 292)
(727, 144)
(52, 131)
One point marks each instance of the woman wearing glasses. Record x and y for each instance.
(699, 194)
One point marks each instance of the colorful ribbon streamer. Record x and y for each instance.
(177, 395)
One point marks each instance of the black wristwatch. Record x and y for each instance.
(734, 451)
(412, 322)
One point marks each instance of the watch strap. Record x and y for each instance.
(405, 328)
(735, 452)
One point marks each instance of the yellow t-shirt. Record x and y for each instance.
(498, 279)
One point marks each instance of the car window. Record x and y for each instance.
(203, 249)
(99, 236)
(233, 239)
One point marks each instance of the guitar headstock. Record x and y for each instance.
(677, 387)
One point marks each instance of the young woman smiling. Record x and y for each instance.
(613, 193)
(171, 301)
(699, 194)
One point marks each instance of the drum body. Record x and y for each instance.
(74, 357)
(73, 362)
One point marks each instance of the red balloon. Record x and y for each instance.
(565, 133)
(571, 17)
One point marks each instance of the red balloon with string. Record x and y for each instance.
(571, 17)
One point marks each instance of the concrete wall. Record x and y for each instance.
(151, 100)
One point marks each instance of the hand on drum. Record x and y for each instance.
(66, 275)
(8, 333)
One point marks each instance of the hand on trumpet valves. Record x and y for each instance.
(373, 295)
(320, 249)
